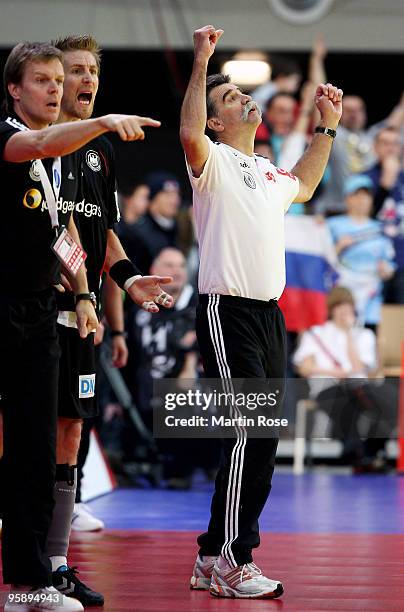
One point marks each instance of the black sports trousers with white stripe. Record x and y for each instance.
(240, 338)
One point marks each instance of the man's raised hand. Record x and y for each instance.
(328, 100)
(205, 40)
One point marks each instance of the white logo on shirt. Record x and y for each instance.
(63, 206)
(88, 209)
(93, 160)
(16, 124)
(70, 176)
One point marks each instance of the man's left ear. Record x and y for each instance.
(215, 124)
(14, 90)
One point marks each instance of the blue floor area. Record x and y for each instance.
(314, 502)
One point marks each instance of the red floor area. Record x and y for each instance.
(149, 571)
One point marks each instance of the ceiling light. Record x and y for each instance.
(248, 69)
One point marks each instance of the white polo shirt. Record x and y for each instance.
(332, 348)
(239, 207)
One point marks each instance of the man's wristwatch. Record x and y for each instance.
(86, 296)
(115, 332)
(327, 131)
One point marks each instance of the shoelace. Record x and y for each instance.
(249, 570)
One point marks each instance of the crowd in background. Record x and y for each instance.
(351, 236)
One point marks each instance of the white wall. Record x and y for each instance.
(352, 24)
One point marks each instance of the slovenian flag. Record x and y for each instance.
(311, 264)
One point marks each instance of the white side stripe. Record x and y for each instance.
(231, 518)
(229, 527)
(237, 456)
(233, 493)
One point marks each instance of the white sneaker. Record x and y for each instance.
(202, 573)
(84, 520)
(244, 581)
(46, 598)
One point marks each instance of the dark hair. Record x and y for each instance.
(261, 141)
(386, 128)
(284, 66)
(19, 56)
(75, 42)
(212, 81)
(279, 94)
(127, 189)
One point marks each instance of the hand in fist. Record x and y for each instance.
(328, 100)
(205, 40)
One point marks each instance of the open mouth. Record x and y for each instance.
(85, 98)
(54, 105)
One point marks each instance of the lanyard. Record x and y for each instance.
(51, 191)
(325, 349)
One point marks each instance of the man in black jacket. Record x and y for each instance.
(157, 230)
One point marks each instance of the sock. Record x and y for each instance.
(64, 494)
(208, 557)
(58, 561)
(222, 563)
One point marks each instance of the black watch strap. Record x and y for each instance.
(90, 297)
(116, 332)
(327, 131)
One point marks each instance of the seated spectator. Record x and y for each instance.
(262, 147)
(353, 135)
(366, 256)
(278, 120)
(187, 241)
(387, 176)
(133, 203)
(285, 130)
(352, 151)
(156, 342)
(285, 124)
(157, 229)
(286, 76)
(337, 358)
(163, 345)
(296, 141)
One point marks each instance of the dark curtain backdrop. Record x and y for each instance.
(152, 83)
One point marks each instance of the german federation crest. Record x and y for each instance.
(34, 171)
(249, 180)
(93, 160)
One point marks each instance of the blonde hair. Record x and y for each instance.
(76, 42)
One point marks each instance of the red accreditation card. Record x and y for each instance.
(68, 251)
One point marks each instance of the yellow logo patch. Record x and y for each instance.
(32, 198)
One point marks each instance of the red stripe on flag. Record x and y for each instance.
(303, 308)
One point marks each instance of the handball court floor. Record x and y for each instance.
(335, 540)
